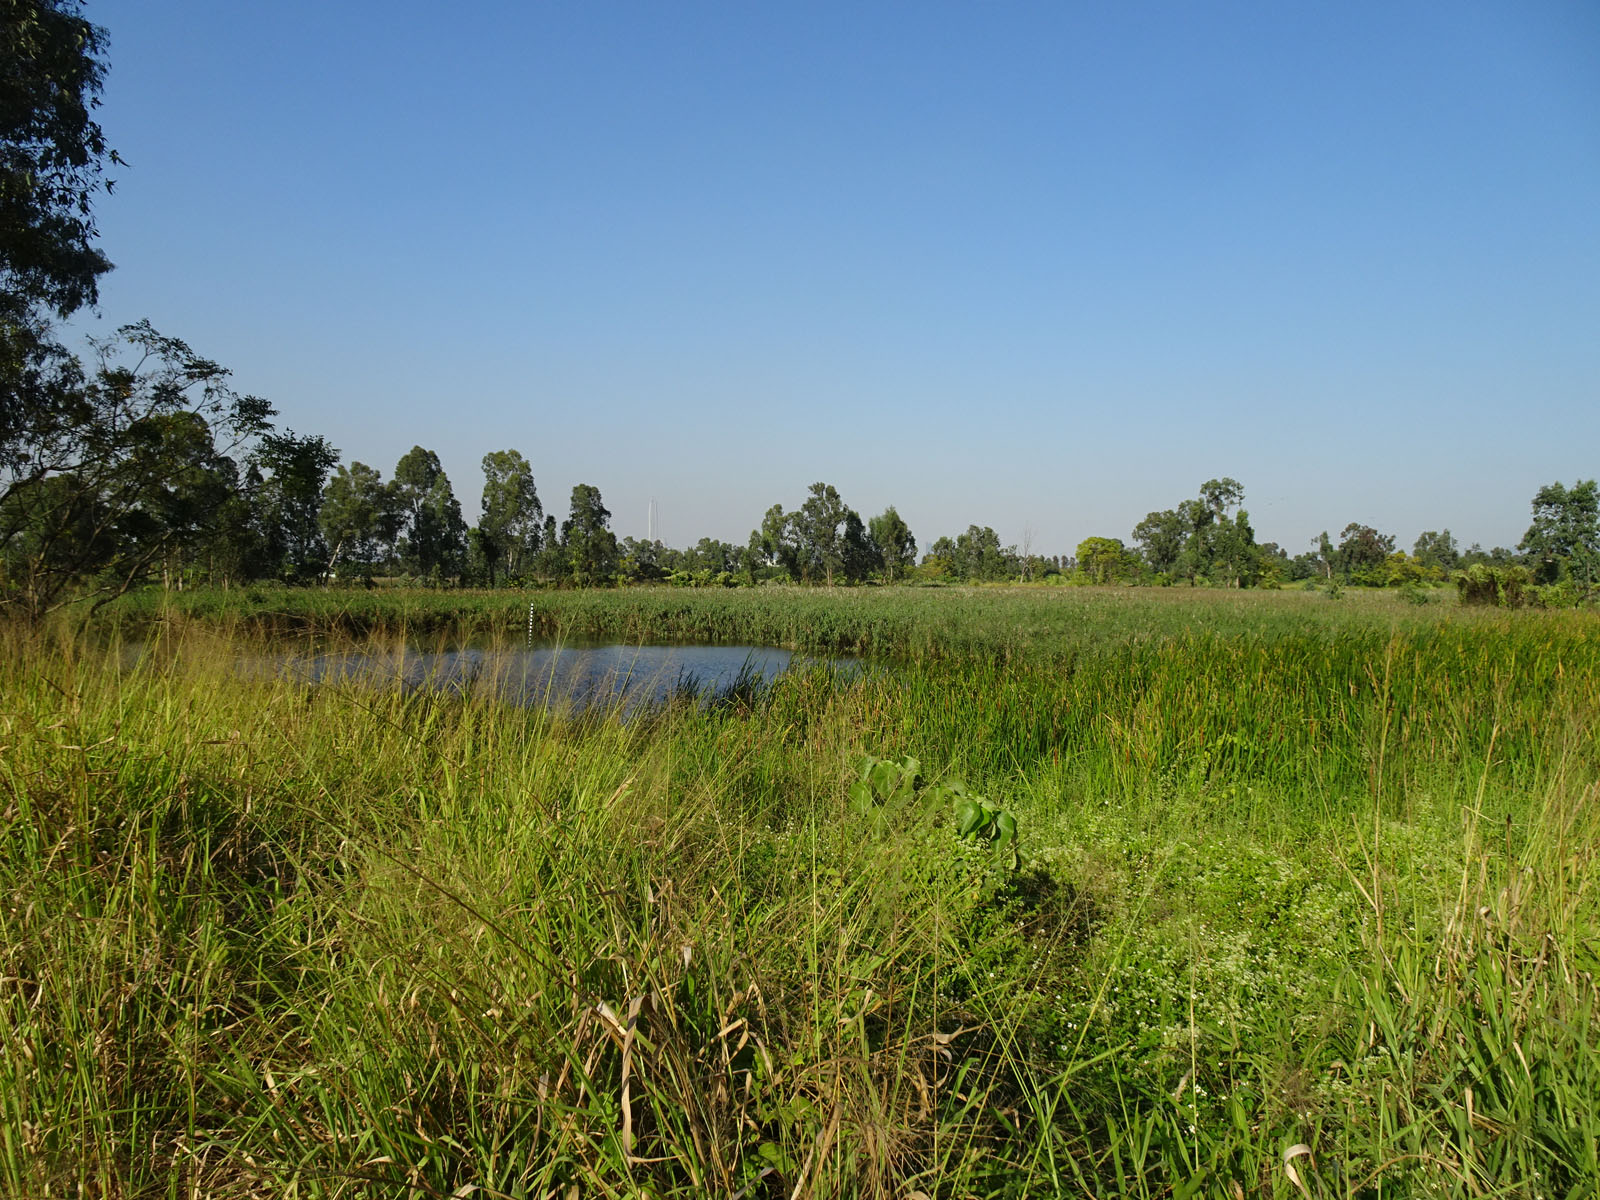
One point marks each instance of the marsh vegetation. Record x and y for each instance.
(1273, 872)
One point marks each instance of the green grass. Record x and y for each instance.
(919, 624)
(1293, 872)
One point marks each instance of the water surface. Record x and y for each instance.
(554, 675)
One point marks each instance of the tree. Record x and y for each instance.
(775, 542)
(1363, 553)
(818, 533)
(1564, 539)
(359, 520)
(1161, 537)
(52, 154)
(133, 466)
(940, 560)
(1216, 547)
(1237, 562)
(591, 547)
(1273, 565)
(1198, 519)
(1436, 551)
(1105, 560)
(891, 538)
(289, 501)
(1221, 495)
(1325, 554)
(512, 515)
(433, 535)
(979, 555)
(551, 561)
(861, 557)
(642, 559)
(1498, 557)
(710, 556)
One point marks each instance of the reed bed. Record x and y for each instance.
(1304, 906)
(957, 624)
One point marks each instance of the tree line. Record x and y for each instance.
(1209, 540)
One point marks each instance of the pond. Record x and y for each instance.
(561, 676)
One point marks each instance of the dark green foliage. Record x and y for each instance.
(52, 155)
(822, 541)
(287, 502)
(1362, 554)
(587, 541)
(1105, 560)
(132, 476)
(359, 519)
(1161, 537)
(1564, 539)
(1202, 539)
(1504, 587)
(893, 543)
(1437, 550)
(433, 535)
(509, 529)
(975, 556)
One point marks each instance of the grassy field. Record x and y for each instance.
(1301, 903)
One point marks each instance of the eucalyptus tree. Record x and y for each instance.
(980, 557)
(775, 542)
(1362, 553)
(432, 533)
(1211, 539)
(1437, 550)
(586, 538)
(1325, 554)
(818, 528)
(891, 538)
(1222, 495)
(1237, 560)
(359, 518)
(859, 556)
(512, 514)
(1202, 537)
(288, 500)
(1195, 556)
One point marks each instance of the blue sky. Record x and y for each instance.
(1044, 267)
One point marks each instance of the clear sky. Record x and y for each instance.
(1042, 266)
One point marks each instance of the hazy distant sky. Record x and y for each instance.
(1042, 266)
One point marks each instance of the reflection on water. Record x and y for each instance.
(556, 676)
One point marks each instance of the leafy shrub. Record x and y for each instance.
(1504, 587)
(1569, 593)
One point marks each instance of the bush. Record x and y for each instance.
(1504, 587)
(1569, 593)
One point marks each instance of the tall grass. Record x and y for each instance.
(909, 624)
(1292, 875)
